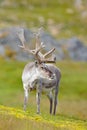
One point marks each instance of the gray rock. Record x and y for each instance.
(2, 50)
(71, 48)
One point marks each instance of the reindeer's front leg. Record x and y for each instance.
(25, 98)
(38, 102)
(38, 95)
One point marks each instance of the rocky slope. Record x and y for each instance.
(71, 48)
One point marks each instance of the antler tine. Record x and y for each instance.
(39, 45)
(49, 52)
(37, 35)
(49, 59)
(52, 59)
(37, 41)
(21, 37)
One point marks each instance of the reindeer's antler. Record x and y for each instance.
(22, 39)
(36, 52)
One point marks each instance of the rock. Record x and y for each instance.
(2, 50)
(71, 48)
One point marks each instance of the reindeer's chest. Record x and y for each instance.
(39, 76)
(34, 73)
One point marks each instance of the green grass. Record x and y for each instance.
(74, 79)
(72, 108)
(29, 13)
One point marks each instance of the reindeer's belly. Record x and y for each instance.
(48, 84)
(47, 88)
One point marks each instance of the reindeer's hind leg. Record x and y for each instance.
(55, 100)
(25, 98)
(50, 96)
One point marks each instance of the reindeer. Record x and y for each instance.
(41, 75)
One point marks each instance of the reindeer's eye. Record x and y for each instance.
(36, 62)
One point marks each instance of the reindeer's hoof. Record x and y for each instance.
(50, 113)
(24, 109)
(54, 113)
(38, 113)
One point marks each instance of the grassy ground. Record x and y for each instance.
(60, 17)
(72, 108)
(16, 118)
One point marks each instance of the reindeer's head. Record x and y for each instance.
(40, 58)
